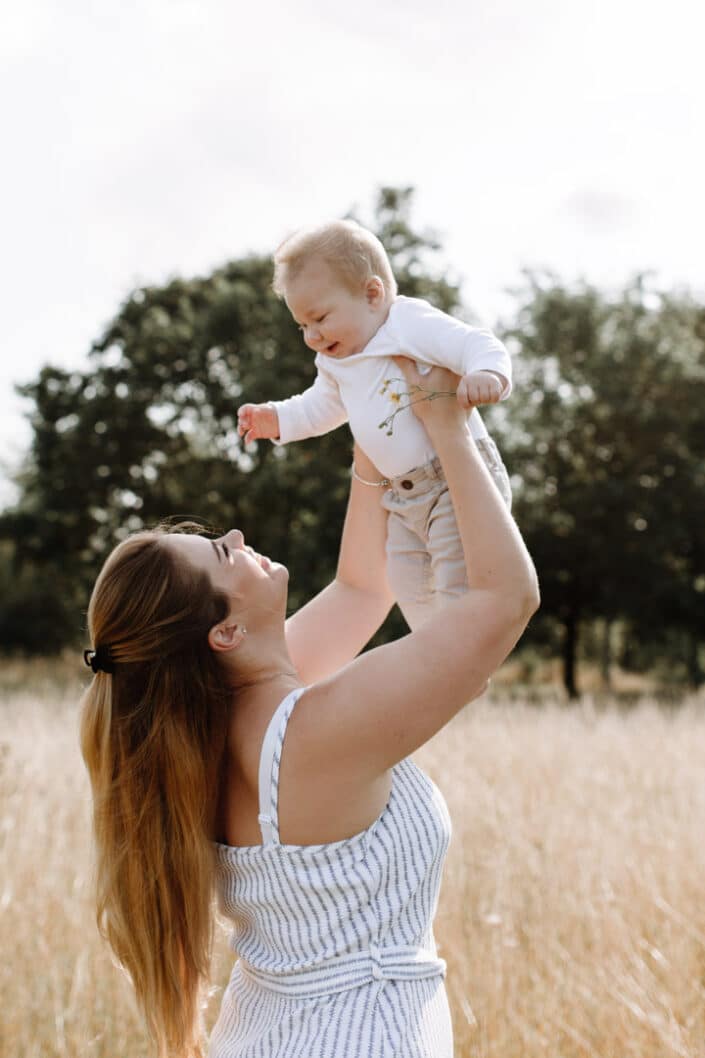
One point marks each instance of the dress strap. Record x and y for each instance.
(269, 761)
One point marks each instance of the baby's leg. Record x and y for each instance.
(409, 571)
(409, 501)
(443, 538)
(425, 560)
(493, 461)
(446, 551)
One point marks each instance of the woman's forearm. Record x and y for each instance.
(331, 629)
(495, 555)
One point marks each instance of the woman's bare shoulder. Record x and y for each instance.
(318, 802)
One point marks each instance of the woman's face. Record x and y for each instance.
(252, 582)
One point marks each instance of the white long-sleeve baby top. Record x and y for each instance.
(355, 389)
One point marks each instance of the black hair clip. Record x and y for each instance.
(100, 659)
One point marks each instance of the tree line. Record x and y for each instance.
(604, 438)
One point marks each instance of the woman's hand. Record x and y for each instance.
(441, 412)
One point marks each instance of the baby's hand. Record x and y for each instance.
(257, 422)
(479, 387)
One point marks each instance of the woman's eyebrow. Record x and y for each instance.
(215, 548)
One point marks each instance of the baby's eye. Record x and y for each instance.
(321, 318)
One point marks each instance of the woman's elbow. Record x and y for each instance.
(522, 603)
(532, 599)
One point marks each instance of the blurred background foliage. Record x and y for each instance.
(604, 437)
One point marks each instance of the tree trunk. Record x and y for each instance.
(570, 648)
(606, 655)
(695, 669)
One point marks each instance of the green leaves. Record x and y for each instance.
(149, 432)
(605, 438)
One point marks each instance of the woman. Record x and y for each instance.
(226, 745)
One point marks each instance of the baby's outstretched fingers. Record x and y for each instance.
(244, 418)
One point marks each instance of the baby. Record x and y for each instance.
(338, 284)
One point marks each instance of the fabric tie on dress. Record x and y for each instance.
(389, 963)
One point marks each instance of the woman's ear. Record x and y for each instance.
(224, 637)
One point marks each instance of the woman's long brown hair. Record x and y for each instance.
(152, 736)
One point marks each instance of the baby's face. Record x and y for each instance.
(333, 320)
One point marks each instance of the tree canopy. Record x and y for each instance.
(148, 431)
(603, 437)
(606, 440)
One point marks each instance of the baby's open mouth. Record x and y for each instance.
(333, 347)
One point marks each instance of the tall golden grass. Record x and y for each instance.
(572, 914)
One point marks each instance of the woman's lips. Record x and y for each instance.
(261, 560)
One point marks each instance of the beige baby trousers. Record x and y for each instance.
(425, 561)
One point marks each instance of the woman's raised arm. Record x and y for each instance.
(331, 629)
(405, 691)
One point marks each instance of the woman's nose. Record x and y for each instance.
(235, 538)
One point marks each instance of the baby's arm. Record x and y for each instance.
(316, 411)
(257, 422)
(477, 355)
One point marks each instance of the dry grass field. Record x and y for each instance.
(572, 914)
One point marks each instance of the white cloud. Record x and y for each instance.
(600, 211)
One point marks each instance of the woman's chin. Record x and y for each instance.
(277, 569)
(272, 568)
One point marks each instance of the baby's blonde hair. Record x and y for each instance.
(353, 252)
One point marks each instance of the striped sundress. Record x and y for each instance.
(337, 957)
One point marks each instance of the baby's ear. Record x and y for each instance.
(374, 291)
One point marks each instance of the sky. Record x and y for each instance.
(148, 139)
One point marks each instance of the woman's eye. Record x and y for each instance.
(321, 318)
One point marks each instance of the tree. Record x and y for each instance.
(148, 430)
(605, 439)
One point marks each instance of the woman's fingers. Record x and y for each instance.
(423, 389)
(436, 379)
(408, 369)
